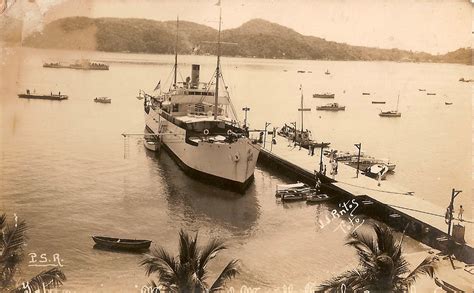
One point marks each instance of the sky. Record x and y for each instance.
(433, 26)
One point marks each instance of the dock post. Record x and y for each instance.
(454, 193)
(321, 159)
(273, 137)
(245, 109)
(359, 146)
(265, 134)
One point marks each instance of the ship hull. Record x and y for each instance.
(209, 178)
(228, 165)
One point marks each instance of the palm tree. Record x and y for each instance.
(187, 272)
(382, 267)
(12, 242)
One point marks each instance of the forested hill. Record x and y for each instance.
(255, 38)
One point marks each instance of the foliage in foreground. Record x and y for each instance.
(382, 267)
(12, 243)
(187, 272)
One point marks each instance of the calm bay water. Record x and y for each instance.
(66, 170)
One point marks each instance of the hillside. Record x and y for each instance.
(255, 38)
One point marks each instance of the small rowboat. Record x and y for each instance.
(121, 244)
(317, 198)
(448, 103)
(291, 189)
(293, 197)
(103, 100)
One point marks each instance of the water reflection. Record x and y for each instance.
(190, 199)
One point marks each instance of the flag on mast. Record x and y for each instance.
(218, 3)
(158, 86)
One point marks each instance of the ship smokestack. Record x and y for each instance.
(195, 75)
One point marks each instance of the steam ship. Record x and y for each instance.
(198, 127)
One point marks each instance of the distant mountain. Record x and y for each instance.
(255, 38)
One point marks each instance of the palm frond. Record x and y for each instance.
(363, 239)
(207, 254)
(401, 267)
(3, 222)
(365, 250)
(352, 280)
(385, 241)
(14, 238)
(185, 246)
(11, 253)
(229, 272)
(161, 262)
(426, 267)
(49, 279)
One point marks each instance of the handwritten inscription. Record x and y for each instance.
(146, 289)
(348, 208)
(26, 288)
(43, 261)
(243, 289)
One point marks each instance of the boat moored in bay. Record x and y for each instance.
(80, 64)
(391, 113)
(324, 95)
(331, 107)
(103, 100)
(378, 171)
(51, 96)
(121, 243)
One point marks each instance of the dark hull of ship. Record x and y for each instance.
(208, 178)
(43, 97)
(76, 67)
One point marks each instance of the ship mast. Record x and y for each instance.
(302, 110)
(216, 94)
(176, 54)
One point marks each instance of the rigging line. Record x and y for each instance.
(228, 96)
(180, 75)
(208, 87)
(373, 189)
(169, 75)
(423, 212)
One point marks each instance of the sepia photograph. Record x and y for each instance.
(236, 146)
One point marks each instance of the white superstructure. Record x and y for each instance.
(214, 148)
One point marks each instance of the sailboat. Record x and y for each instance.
(198, 126)
(392, 113)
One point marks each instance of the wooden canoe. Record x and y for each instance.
(121, 244)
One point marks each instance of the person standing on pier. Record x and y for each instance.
(461, 211)
(333, 169)
(318, 185)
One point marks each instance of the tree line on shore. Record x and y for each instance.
(255, 38)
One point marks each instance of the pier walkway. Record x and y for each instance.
(400, 200)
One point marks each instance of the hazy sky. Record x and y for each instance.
(420, 25)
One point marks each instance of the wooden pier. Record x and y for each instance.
(395, 205)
